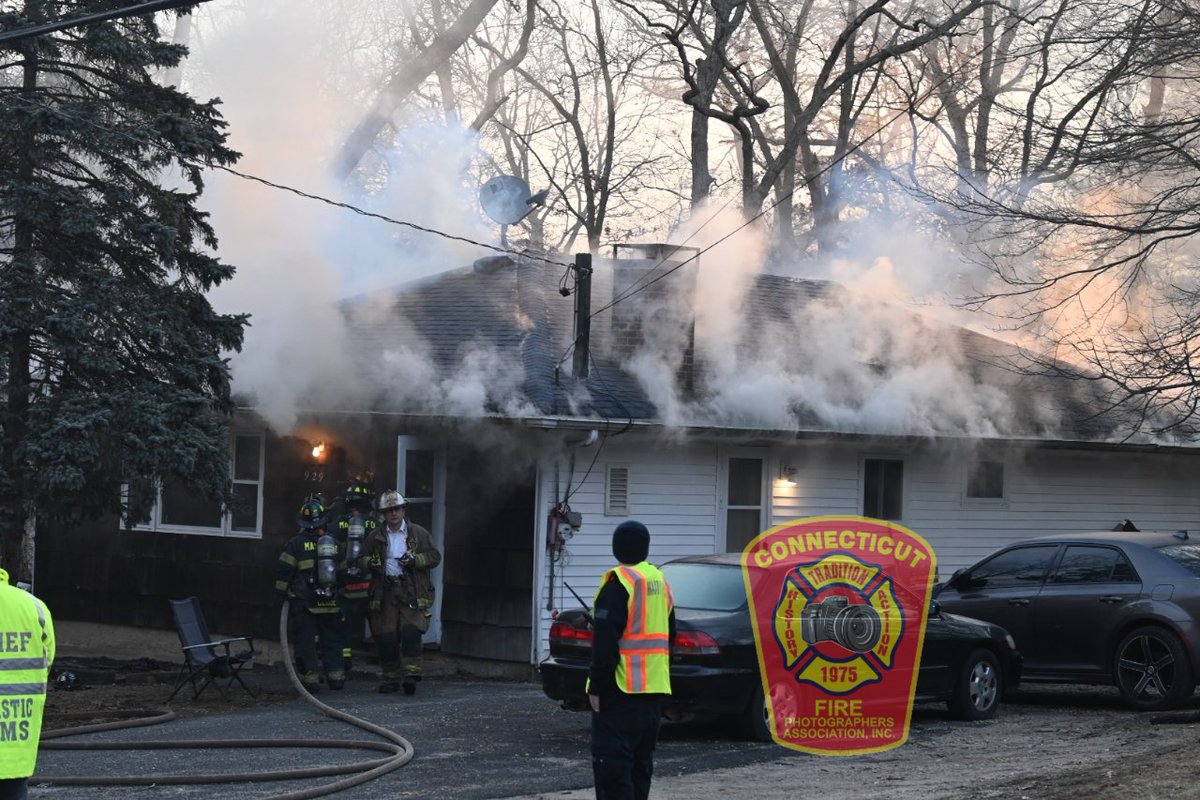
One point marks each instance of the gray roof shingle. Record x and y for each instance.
(521, 323)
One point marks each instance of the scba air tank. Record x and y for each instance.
(326, 562)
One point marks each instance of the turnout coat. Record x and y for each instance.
(415, 587)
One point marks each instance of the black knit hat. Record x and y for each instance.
(631, 542)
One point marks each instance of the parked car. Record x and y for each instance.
(1116, 608)
(714, 665)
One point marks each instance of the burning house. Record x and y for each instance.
(520, 443)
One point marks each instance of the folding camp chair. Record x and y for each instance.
(207, 661)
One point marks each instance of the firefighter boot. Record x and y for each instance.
(310, 681)
(389, 660)
(410, 650)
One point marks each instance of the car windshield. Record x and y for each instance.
(716, 587)
(1186, 554)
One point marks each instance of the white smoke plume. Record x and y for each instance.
(883, 356)
(270, 65)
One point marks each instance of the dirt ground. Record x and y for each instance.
(109, 690)
(1048, 743)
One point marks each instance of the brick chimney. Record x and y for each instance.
(654, 292)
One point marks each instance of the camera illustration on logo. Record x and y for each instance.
(856, 627)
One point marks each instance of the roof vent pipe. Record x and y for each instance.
(583, 313)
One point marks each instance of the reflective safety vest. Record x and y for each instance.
(26, 652)
(645, 645)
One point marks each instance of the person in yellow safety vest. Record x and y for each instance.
(633, 622)
(26, 652)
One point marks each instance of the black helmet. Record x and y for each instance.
(312, 514)
(67, 680)
(359, 494)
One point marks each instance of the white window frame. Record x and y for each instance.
(763, 506)
(1006, 475)
(156, 524)
(904, 483)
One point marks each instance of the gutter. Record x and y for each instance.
(747, 435)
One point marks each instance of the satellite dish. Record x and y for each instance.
(505, 199)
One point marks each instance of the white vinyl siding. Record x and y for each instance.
(673, 491)
(676, 491)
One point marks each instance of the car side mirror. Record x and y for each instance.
(935, 608)
(959, 579)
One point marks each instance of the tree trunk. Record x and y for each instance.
(25, 563)
(404, 82)
(21, 282)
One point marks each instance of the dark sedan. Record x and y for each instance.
(1116, 608)
(714, 665)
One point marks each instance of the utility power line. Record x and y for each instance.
(150, 7)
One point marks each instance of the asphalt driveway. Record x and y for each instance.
(472, 740)
(485, 740)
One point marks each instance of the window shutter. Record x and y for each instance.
(616, 491)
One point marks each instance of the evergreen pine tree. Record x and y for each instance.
(111, 357)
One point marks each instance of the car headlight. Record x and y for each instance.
(1012, 643)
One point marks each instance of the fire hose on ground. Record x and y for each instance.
(399, 750)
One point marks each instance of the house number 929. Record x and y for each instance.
(314, 475)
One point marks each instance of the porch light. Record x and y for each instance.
(318, 452)
(787, 474)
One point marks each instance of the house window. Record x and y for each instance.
(985, 480)
(177, 508)
(743, 511)
(883, 488)
(616, 491)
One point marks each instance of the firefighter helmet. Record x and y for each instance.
(391, 499)
(360, 495)
(312, 514)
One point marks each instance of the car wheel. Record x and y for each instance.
(755, 720)
(1152, 670)
(978, 687)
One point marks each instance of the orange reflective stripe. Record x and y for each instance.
(637, 601)
(635, 673)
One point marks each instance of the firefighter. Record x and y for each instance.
(25, 662)
(307, 578)
(399, 555)
(353, 526)
(633, 621)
